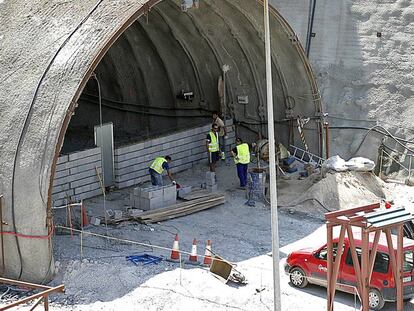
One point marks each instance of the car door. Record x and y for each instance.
(318, 265)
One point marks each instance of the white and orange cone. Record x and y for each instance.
(193, 255)
(175, 253)
(207, 254)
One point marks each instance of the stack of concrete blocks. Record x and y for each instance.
(211, 181)
(153, 197)
(76, 178)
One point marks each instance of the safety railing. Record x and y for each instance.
(42, 296)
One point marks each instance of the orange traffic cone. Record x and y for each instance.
(175, 253)
(207, 254)
(193, 255)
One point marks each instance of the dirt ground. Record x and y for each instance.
(104, 280)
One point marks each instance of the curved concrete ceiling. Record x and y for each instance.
(50, 50)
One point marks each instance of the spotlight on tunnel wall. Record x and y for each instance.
(186, 95)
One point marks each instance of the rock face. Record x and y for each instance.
(362, 55)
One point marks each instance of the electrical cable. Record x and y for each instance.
(85, 95)
(151, 113)
(25, 127)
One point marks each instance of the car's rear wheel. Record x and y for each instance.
(298, 277)
(376, 301)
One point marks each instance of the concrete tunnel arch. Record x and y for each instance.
(34, 129)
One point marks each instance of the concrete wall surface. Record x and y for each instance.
(362, 55)
(76, 175)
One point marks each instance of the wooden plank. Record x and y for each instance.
(172, 207)
(176, 207)
(184, 210)
(183, 213)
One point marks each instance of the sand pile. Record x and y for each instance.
(343, 190)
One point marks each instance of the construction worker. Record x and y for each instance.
(241, 156)
(157, 168)
(213, 147)
(222, 134)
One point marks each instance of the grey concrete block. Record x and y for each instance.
(87, 188)
(184, 190)
(83, 161)
(139, 153)
(211, 178)
(87, 195)
(84, 174)
(63, 194)
(212, 188)
(137, 191)
(133, 168)
(63, 159)
(148, 204)
(61, 174)
(170, 193)
(62, 166)
(60, 188)
(152, 192)
(83, 168)
(84, 154)
(132, 175)
(83, 182)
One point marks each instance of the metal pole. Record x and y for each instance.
(272, 162)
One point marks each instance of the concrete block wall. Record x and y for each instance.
(186, 148)
(76, 177)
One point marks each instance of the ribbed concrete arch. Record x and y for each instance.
(49, 51)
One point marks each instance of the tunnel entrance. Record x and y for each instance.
(145, 54)
(165, 74)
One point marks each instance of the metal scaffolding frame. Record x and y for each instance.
(370, 219)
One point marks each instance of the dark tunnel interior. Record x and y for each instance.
(165, 73)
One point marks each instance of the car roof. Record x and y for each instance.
(382, 243)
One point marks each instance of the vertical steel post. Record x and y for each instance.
(272, 162)
(399, 282)
(330, 290)
(364, 270)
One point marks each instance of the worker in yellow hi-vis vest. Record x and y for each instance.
(241, 156)
(213, 147)
(157, 168)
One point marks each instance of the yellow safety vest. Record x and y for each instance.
(213, 146)
(157, 165)
(243, 154)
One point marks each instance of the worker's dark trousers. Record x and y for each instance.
(242, 173)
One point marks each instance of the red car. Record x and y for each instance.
(310, 266)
